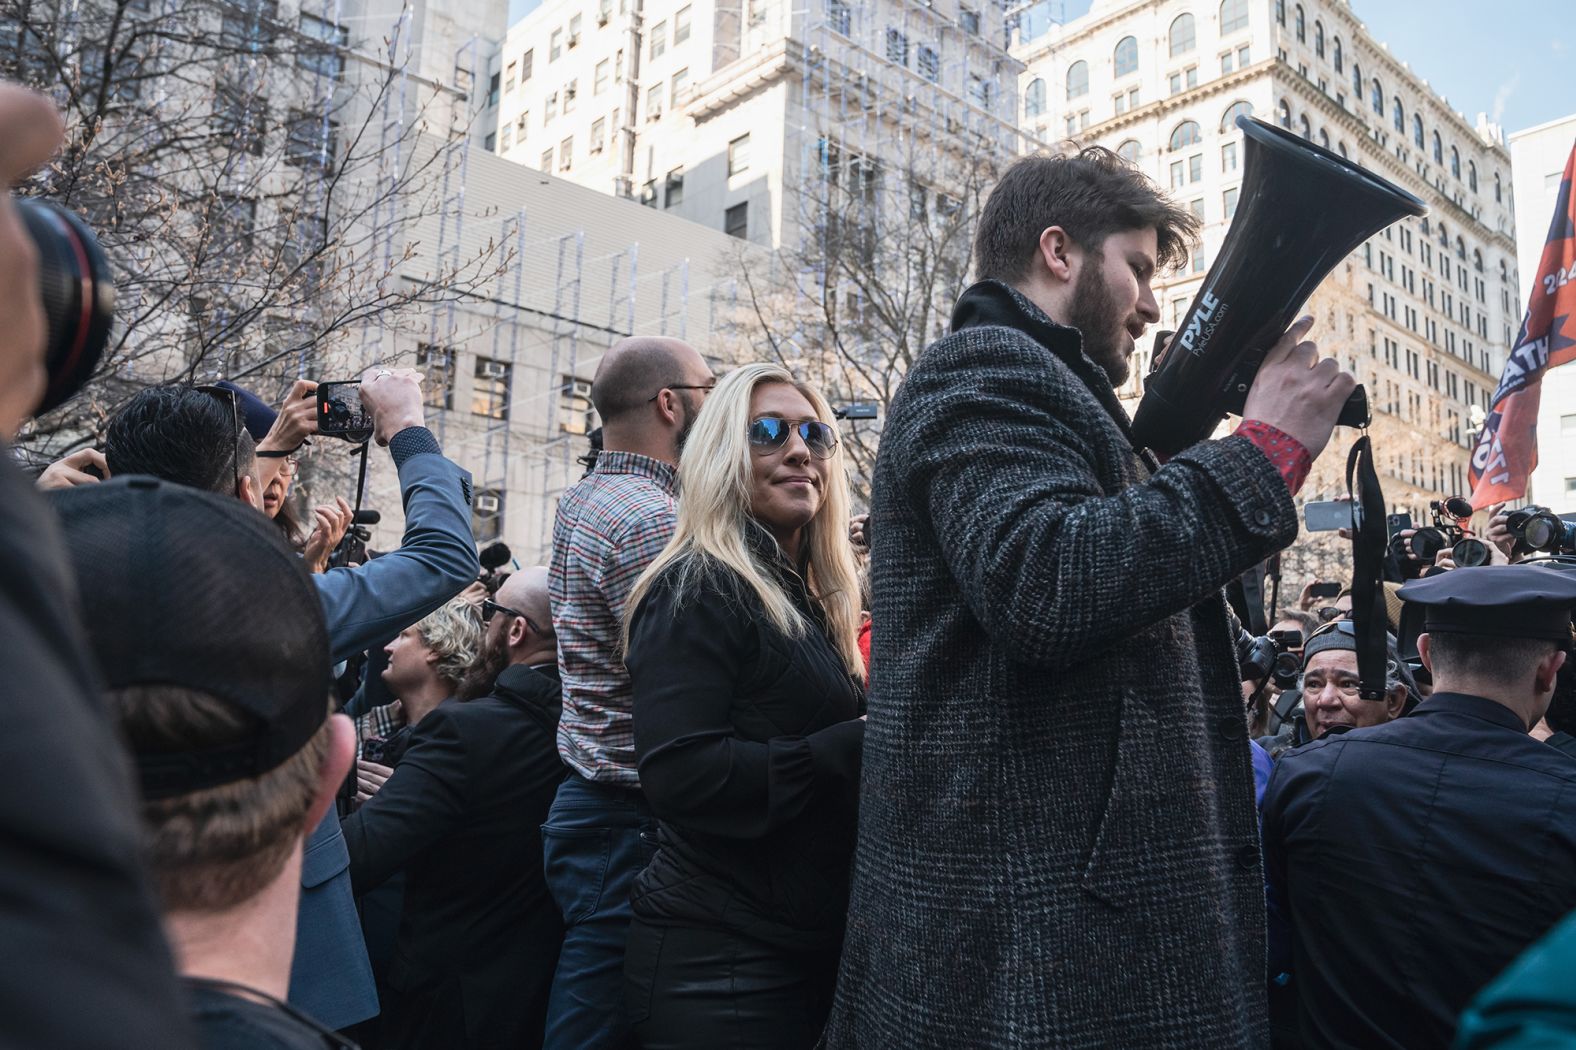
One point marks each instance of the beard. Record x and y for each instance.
(691, 411)
(494, 658)
(1093, 312)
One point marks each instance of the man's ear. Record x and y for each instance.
(1056, 253)
(1395, 701)
(517, 629)
(249, 491)
(669, 409)
(1549, 670)
(336, 766)
(1423, 646)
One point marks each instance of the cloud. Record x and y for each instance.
(1502, 96)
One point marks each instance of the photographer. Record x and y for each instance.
(194, 436)
(88, 967)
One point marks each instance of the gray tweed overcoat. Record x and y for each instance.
(1057, 838)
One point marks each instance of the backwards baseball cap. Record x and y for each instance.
(1501, 601)
(199, 591)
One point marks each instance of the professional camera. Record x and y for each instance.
(1540, 529)
(1447, 531)
(1276, 655)
(353, 546)
(78, 294)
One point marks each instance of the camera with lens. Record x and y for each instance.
(1417, 552)
(78, 295)
(1277, 656)
(1539, 529)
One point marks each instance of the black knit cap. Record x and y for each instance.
(1501, 601)
(200, 591)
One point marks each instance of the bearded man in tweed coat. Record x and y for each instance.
(1057, 838)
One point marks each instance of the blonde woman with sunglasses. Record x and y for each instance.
(742, 652)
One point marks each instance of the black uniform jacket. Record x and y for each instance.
(1417, 859)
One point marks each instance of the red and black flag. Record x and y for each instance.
(1507, 446)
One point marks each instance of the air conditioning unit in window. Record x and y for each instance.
(580, 388)
(601, 18)
(486, 503)
(492, 369)
(574, 39)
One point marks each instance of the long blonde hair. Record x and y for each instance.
(714, 479)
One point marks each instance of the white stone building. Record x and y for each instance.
(1538, 158)
(1425, 311)
(717, 110)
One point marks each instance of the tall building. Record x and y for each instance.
(722, 111)
(1538, 158)
(1424, 312)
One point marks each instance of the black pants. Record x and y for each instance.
(706, 989)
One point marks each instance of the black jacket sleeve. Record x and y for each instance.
(687, 662)
(421, 803)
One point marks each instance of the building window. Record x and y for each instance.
(1130, 151)
(521, 124)
(1034, 99)
(1077, 80)
(574, 30)
(1499, 198)
(490, 391)
(487, 515)
(1280, 11)
(1197, 208)
(1304, 128)
(659, 39)
(598, 127)
(575, 413)
(1183, 35)
(547, 161)
(896, 47)
(1377, 97)
(1318, 38)
(736, 221)
(1417, 130)
(599, 82)
(550, 109)
(739, 155)
(681, 26)
(1455, 163)
(1186, 134)
(325, 55)
(508, 83)
(569, 95)
(969, 20)
(436, 363)
(654, 102)
(309, 144)
(564, 154)
(1284, 110)
(842, 19)
(1228, 158)
(527, 61)
(1125, 57)
(555, 45)
(680, 82)
(1228, 120)
(1300, 24)
(1337, 58)
(1357, 82)
(1439, 152)
(508, 133)
(1229, 203)
(1234, 15)
(673, 188)
(490, 143)
(929, 62)
(1324, 138)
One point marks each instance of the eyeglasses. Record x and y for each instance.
(683, 386)
(490, 607)
(1331, 612)
(226, 394)
(768, 434)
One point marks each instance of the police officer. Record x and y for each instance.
(1418, 857)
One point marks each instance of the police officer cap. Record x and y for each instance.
(1505, 601)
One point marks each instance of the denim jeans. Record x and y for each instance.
(596, 840)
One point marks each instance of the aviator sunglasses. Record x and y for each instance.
(769, 433)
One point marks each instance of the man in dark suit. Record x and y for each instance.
(1058, 843)
(462, 816)
(1452, 830)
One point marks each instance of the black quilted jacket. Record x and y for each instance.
(1057, 838)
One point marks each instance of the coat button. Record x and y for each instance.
(1248, 857)
(1231, 727)
(1261, 517)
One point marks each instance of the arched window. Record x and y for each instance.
(1477, 260)
(1398, 115)
(1377, 97)
(1126, 56)
(1337, 57)
(1077, 79)
(1130, 151)
(1499, 193)
(1503, 274)
(1182, 35)
(1357, 82)
(1426, 227)
(1228, 119)
(1304, 128)
(1444, 236)
(1461, 249)
(1234, 15)
(1280, 11)
(1285, 114)
(1301, 25)
(1318, 38)
(1324, 138)
(1439, 151)
(1341, 149)
(1034, 99)
(1455, 162)
(1186, 134)
(1417, 130)
(1472, 176)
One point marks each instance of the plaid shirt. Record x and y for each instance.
(609, 527)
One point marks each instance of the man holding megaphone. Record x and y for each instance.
(1058, 841)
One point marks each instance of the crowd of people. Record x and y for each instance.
(738, 768)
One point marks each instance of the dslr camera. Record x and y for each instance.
(1416, 552)
(1539, 529)
(1277, 656)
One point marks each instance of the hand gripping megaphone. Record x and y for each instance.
(1301, 210)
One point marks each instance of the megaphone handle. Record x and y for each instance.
(1355, 412)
